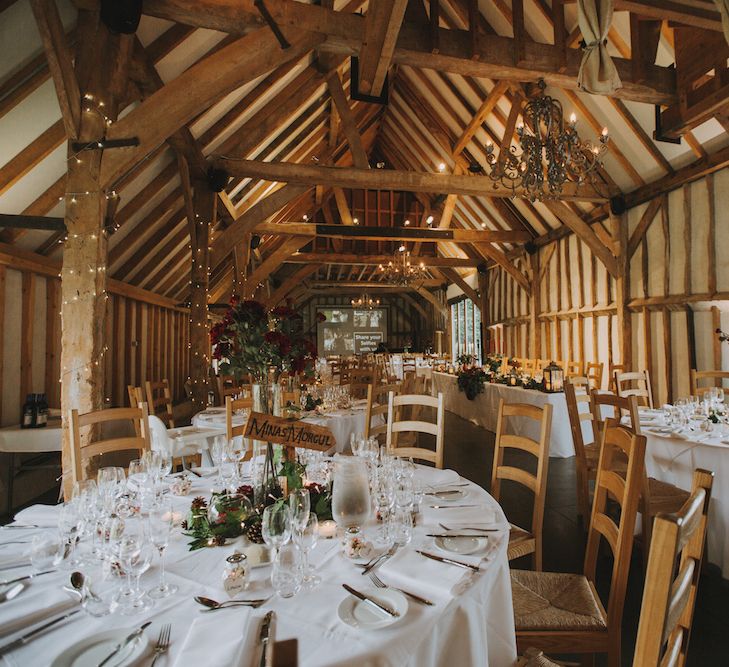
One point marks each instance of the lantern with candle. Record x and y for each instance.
(553, 378)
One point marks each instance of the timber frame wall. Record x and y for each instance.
(678, 296)
(146, 340)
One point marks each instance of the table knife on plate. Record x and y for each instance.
(22, 641)
(25, 578)
(445, 507)
(476, 535)
(441, 559)
(365, 598)
(264, 639)
(122, 645)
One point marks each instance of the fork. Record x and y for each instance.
(381, 584)
(480, 530)
(163, 642)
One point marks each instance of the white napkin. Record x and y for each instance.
(417, 574)
(205, 644)
(33, 606)
(45, 516)
(436, 477)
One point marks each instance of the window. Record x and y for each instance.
(466, 329)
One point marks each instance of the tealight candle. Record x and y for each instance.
(327, 529)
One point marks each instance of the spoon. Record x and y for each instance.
(213, 605)
(78, 581)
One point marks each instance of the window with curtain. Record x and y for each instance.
(466, 329)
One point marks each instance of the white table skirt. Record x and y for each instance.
(484, 410)
(472, 625)
(673, 460)
(31, 440)
(342, 423)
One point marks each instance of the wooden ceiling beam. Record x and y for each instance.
(171, 107)
(324, 284)
(454, 51)
(687, 13)
(293, 281)
(382, 179)
(348, 121)
(375, 260)
(382, 24)
(422, 234)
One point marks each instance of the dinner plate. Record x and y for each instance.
(447, 495)
(90, 651)
(364, 616)
(461, 545)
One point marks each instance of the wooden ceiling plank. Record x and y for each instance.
(479, 118)
(376, 260)
(382, 24)
(349, 124)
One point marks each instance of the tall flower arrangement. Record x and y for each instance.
(251, 340)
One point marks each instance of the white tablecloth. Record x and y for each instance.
(472, 624)
(484, 410)
(31, 440)
(342, 423)
(674, 459)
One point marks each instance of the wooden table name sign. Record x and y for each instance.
(289, 433)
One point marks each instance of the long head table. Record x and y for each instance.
(471, 622)
(484, 410)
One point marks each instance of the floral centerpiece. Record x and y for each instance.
(262, 344)
(471, 381)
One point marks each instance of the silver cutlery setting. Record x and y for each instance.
(163, 643)
(265, 640)
(381, 584)
(379, 560)
(22, 641)
(132, 636)
(446, 507)
(12, 592)
(371, 601)
(24, 578)
(474, 528)
(214, 605)
(449, 561)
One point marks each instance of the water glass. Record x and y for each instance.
(286, 571)
(100, 589)
(46, 551)
(161, 523)
(402, 527)
(300, 506)
(306, 540)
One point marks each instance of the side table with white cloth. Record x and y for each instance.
(672, 455)
(484, 410)
(470, 622)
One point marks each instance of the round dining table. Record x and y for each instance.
(469, 623)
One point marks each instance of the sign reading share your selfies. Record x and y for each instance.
(289, 433)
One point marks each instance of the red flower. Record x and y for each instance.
(235, 300)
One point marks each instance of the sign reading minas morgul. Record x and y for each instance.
(286, 432)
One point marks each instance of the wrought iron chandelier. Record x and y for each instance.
(552, 153)
(365, 302)
(401, 270)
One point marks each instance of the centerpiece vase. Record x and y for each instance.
(267, 400)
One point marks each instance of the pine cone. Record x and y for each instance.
(219, 540)
(199, 503)
(254, 534)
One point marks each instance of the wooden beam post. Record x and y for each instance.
(535, 307)
(101, 69)
(622, 293)
(204, 203)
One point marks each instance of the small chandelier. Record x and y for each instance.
(365, 302)
(552, 152)
(401, 271)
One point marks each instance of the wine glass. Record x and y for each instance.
(306, 539)
(135, 555)
(161, 522)
(46, 551)
(300, 506)
(69, 524)
(276, 526)
(217, 453)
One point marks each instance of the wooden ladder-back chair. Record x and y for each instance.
(82, 450)
(593, 372)
(377, 404)
(656, 495)
(713, 376)
(637, 383)
(136, 396)
(159, 401)
(577, 396)
(232, 405)
(612, 368)
(396, 426)
(574, 369)
(524, 542)
(228, 385)
(360, 381)
(562, 613)
(669, 598)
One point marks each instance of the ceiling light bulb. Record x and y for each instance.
(355, 220)
(441, 166)
(429, 220)
(407, 222)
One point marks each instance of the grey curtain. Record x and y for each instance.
(723, 7)
(597, 70)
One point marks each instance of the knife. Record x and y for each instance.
(379, 560)
(440, 559)
(459, 534)
(26, 577)
(21, 641)
(130, 638)
(390, 612)
(12, 592)
(445, 493)
(264, 639)
(445, 507)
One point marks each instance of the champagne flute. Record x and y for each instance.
(276, 526)
(161, 522)
(300, 506)
(306, 540)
